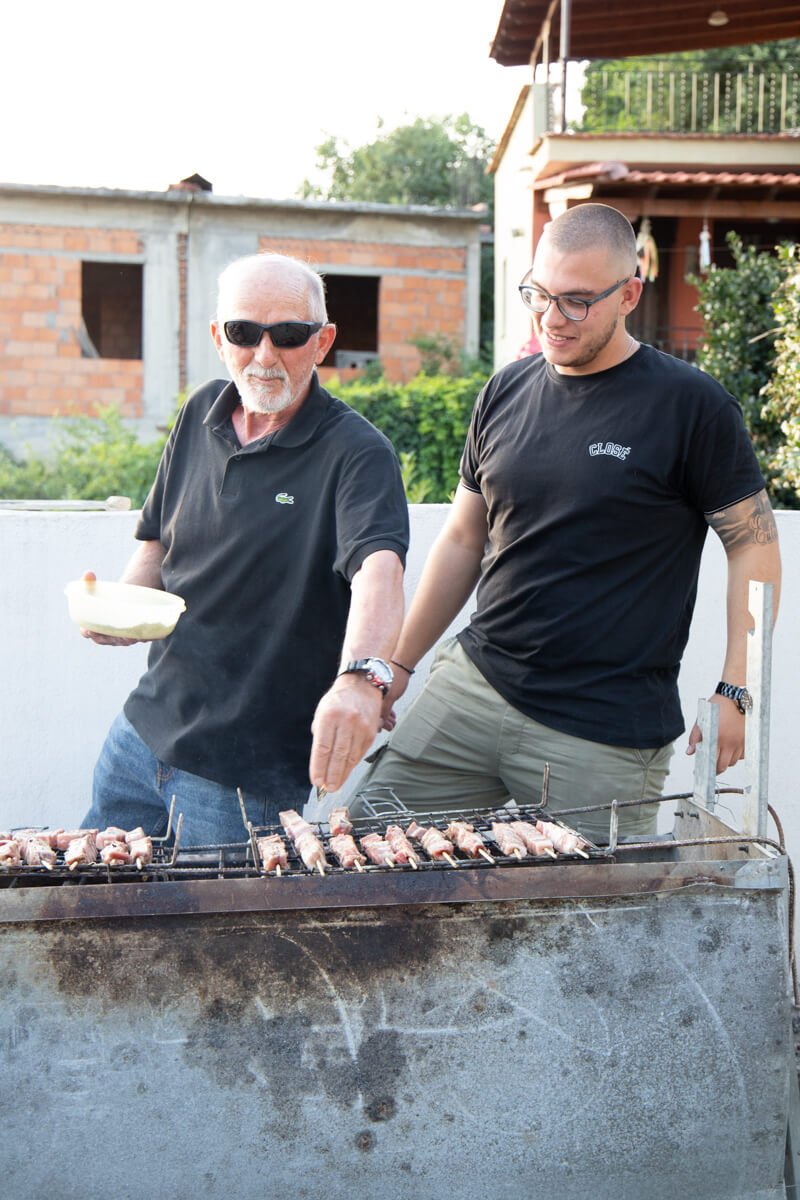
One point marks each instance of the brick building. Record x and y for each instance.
(105, 296)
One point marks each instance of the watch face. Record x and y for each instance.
(380, 670)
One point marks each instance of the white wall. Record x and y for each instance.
(60, 692)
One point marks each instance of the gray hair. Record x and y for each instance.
(240, 268)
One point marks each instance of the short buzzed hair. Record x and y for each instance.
(588, 226)
(315, 288)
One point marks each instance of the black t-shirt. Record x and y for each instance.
(262, 542)
(596, 486)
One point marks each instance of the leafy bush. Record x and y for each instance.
(782, 392)
(426, 420)
(92, 458)
(737, 305)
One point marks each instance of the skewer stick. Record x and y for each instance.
(278, 869)
(358, 866)
(486, 855)
(582, 853)
(139, 864)
(450, 859)
(389, 861)
(552, 853)
(320, 867)
(515, 850)
(413, 862)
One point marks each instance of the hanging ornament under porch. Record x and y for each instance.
(647, 251)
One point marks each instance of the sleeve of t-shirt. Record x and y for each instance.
(371, 506)
(148, 527)
(468, 468)
(722, 467)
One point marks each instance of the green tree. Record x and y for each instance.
(429, 161)
(655, 92)
(738, 307)
(782, 391)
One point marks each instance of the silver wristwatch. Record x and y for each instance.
(378, 672)
(739, 695)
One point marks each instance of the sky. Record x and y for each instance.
(139, 96)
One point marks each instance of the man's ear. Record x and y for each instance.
(325, 339)
(217, 335)
(631, 295)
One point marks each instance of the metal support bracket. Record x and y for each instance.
(759, 684)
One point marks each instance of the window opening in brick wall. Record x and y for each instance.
(353, 307)
(111, 307)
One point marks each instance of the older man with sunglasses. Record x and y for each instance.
(278, 513)
(590, 477)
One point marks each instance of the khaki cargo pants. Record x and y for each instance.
(461, 745)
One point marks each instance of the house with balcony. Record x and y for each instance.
(688, 156)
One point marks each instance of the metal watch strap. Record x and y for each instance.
(375, 670)
(739, 695)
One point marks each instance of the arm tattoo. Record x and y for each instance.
(748, 523)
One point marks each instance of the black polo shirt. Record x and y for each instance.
(262, 542)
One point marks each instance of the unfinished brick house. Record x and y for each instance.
(105, 296)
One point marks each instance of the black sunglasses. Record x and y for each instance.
(284, 335)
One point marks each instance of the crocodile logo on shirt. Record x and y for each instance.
(612, 448)
(284, 498)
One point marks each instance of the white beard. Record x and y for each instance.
(257, 397)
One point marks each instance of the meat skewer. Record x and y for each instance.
(377, 850)
(140, 848)
(433, 842)
(534, 841)
(402, 850)
(339, 821)
(467, 840)
(115, 852)
(344, 847)
(37, 852)
(82, 850)
(566, 841)
(10, 850)
(272, 853)
(510, 843)
(306, 842)
(112, 834)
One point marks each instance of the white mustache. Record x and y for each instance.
(271, 373)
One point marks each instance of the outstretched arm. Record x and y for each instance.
(349, 714)
(749, 536)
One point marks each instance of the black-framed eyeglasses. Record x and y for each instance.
(572, 307)
(284, 335)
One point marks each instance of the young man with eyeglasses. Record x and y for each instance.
(278, 514)
(590, 476)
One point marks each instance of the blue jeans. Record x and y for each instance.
(131, 787)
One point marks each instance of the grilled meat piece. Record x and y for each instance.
(510, 843)
(115, 853)
(533, 839)
(346, 850)
(272, 852)
(306, 842)
(566, 841)
(140, 850)
(82, 850)
(133, 835)
(339, 821)
(10, 851)
(377, 850)
(402, 850)
(37, 852)
(112, 834)
(465, 838)
(432, 840)
(63, 837)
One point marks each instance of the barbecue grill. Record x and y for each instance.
(616, 1025)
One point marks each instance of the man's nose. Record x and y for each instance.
(265, 351)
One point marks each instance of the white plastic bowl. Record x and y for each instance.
(123, 609)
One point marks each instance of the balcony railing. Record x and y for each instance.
(666, 99)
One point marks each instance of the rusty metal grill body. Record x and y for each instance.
(616, 1027)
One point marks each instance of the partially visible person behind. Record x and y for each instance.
(278, 514)
(590, 477)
